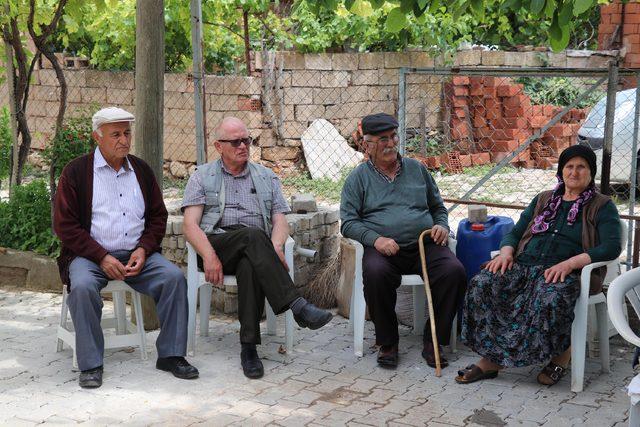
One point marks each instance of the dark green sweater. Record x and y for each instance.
(563, 241)
(371, 207)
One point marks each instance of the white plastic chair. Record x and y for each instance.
(127, 334)
(196, 280)
(358, 304)
(627, 284)
(579, 326)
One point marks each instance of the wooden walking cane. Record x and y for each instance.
(427, 289)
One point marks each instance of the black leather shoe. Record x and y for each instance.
(251, 363)
(429, 355)
(178, 366)
(91, 378)
(312, 317)
(388, 356)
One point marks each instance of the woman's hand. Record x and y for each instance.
(557, 273)
(500, 263)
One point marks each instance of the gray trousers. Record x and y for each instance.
(159, 278)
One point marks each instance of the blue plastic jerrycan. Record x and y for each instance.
(477, 240)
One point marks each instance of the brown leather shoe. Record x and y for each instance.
(388, 356)
(429, 355)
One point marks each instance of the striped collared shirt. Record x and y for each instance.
(397, 172)
(117, 207)
(241, 202)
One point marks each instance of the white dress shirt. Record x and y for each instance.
(117, 218)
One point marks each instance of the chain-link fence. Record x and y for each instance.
(493, 136)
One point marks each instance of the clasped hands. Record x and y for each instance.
(115, 270)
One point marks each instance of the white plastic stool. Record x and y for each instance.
(127, 334)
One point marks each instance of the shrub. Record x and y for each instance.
(561, 91)
(5, 144)
(73, 140)
(25, 220)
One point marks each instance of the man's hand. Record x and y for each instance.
(136, 262)
(280, 251)
(440, 235)
(113, 268)
(557, 273)
(501, 263)
(213, 271)
(386, 246)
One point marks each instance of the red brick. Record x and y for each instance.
(478, 110)
(631, 8)
(479, 121)
(632, 18)
(632, 58)
(607, 28)
(515, 112)
(558, 145)
(432, 162)
(459, 112)
(461, 80)
(497, 156)
(488, 132)
(460, 130)
(494, 113)
(476, 90)
(480, 158)
(537, 110)
(505, 145)
(605, 19)
(509, 90)
(510, 123)
(614, 19)
(546, 162)
(489, 81)
(612, 8)
(628, 28)
(489, 91)
(459, 101)
(560, 130)
(465, 160)
(517, 101)
(475, 81)
(575, 127)
(537, 122)
(461, 91)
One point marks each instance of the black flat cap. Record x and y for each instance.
(379, 122)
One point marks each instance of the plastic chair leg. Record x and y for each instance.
(453, 339)
(289, 329)
(192, 298)
(205, 308)
(120, 311)
(603, 336)
(271, 319)
(358, 308)
(64, 311)
(137, 308)
(419, 316)
(578, 346)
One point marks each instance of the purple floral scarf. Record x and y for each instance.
(542, 222)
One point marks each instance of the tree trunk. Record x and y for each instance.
(149, 81)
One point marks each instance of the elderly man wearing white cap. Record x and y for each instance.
(110, 216)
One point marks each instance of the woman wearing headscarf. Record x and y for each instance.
(518, 310)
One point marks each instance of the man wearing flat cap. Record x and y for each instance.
(110, 217)
(386, 203)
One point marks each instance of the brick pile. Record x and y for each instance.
(492, 116)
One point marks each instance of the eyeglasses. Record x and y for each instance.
(386, 139)
(235, 143)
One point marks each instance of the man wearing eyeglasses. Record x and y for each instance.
(385, 204)
(234, 218)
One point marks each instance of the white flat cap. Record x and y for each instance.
(111, 115)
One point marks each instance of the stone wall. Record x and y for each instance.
(339, 87)
(319, 231)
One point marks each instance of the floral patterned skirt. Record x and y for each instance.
(516, 319)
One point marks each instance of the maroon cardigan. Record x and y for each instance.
(72, 215)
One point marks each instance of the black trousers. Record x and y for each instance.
(382, 276)
(248, 253)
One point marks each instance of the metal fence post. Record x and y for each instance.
(402, 88)
(612, 87)
(633, 178)
(198, 85)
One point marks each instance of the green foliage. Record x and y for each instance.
(552, 20)
(482, 170)
(5, 144)
(561, 91)
(25, 220)
(324, 188)
(74, 140)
